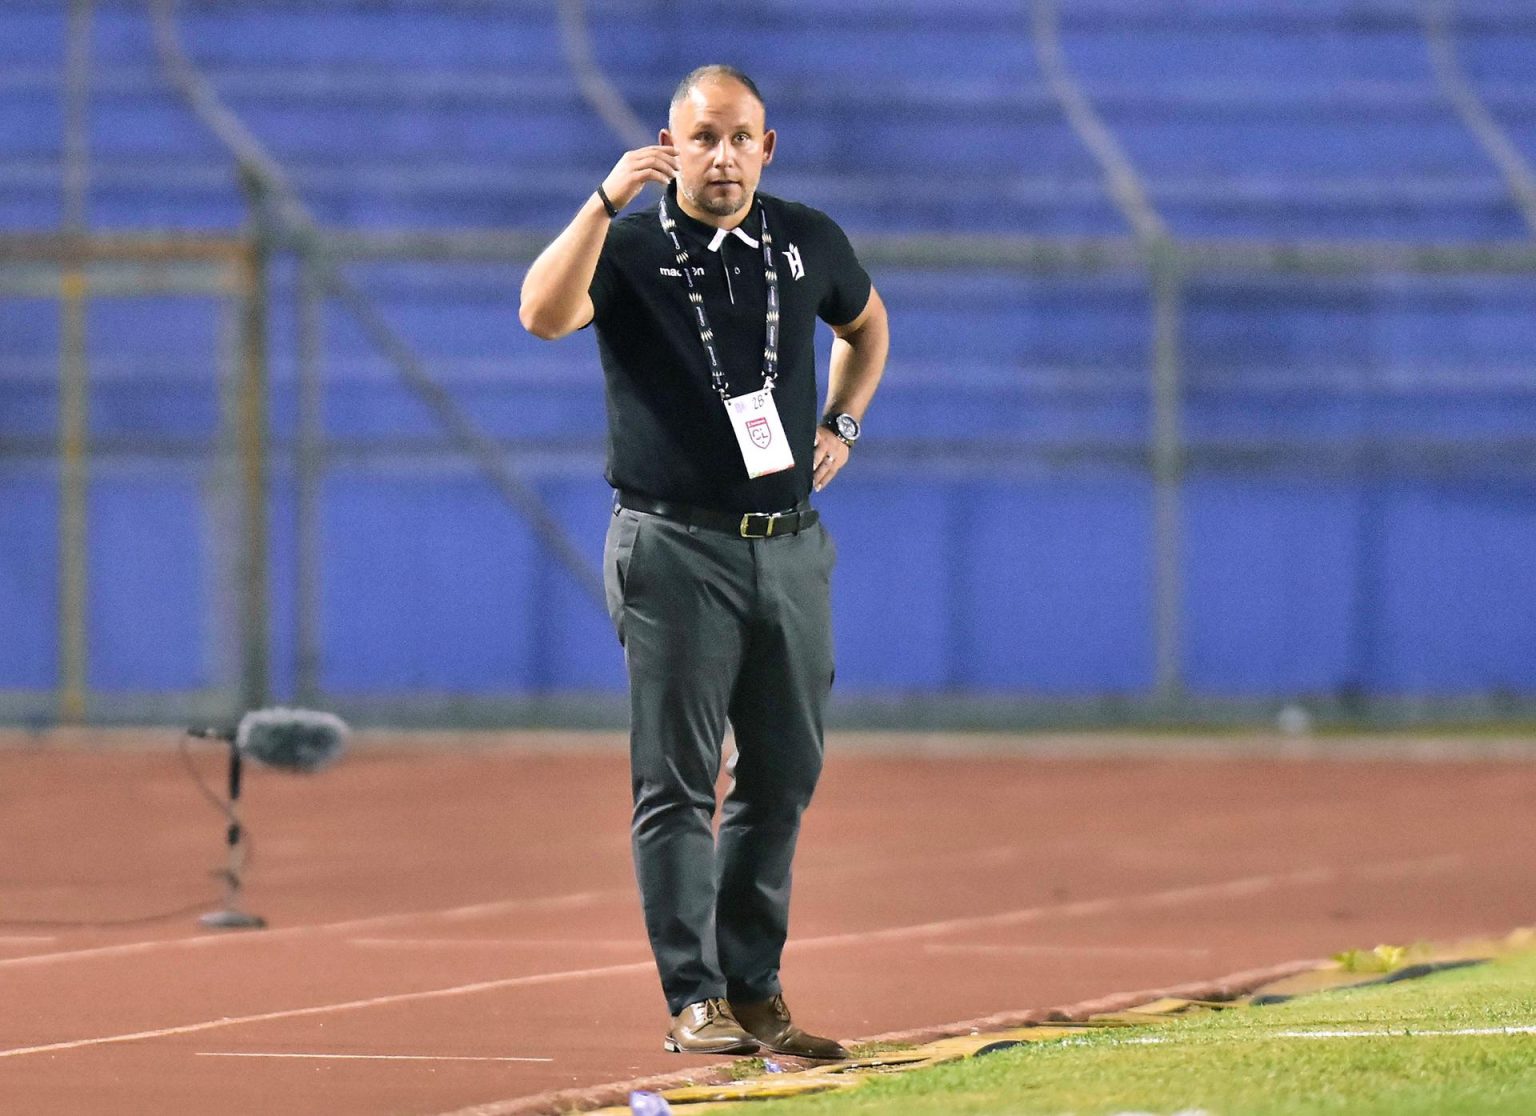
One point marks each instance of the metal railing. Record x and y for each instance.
(287, 225)
(77, 269)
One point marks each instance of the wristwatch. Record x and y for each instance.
(844, 425)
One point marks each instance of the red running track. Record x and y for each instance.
(454, 924)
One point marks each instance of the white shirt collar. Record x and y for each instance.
(721, 234)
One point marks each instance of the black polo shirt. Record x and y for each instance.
(668, 434)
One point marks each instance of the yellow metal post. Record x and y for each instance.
(251, 448)
(74, 417)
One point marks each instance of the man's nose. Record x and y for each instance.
(722, 154)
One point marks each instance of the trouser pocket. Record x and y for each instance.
(618, 558)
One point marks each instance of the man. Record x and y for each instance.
(716, 565)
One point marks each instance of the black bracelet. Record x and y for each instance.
(608, 205)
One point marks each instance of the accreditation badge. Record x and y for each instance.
(759, 433)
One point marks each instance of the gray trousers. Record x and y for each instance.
(717, 628)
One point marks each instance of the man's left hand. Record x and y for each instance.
(831, 455)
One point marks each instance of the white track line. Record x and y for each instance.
(330, 1009)
(495, 943)
(372, 1057)
(1066, 951)
(1261, 1036)
(1406, 1033)
(202, 941)
(1244, 886)
(1171, 897)
(850, 866)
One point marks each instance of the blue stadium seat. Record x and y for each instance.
(1014, 424)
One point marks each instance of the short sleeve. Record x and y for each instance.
(604, 279)
(848, 288)
(612, 281)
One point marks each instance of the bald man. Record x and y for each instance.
(717, 566)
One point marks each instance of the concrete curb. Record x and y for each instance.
(592, 1097)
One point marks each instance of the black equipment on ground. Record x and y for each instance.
(299, 740)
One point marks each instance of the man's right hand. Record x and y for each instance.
(657, 163)
(555, 296)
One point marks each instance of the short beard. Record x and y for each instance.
(725, 207)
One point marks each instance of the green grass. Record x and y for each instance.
(1239, 1061)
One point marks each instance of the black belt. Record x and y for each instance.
(746, 525)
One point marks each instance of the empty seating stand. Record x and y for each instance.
(1350, 435)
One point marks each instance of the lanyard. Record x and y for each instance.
(696, 297)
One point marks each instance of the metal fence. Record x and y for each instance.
(70, 273)
(243, 462)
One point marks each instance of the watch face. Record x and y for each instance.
(847, 427)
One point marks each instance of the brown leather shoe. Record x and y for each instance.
(708, 1027)
(769, 1023)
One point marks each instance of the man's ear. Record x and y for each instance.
(664, 137)
(770, 137)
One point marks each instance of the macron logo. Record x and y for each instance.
(796, 264)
